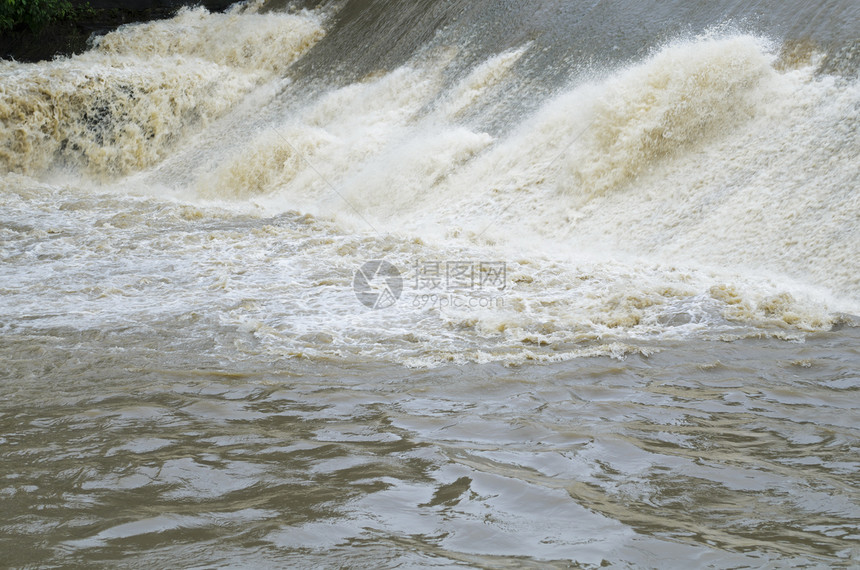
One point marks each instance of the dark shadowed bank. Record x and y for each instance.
(70, 35)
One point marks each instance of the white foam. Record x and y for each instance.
(128, 103)
(697, 193)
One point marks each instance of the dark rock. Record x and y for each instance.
(92, 17)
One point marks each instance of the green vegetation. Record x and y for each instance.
(33, 14)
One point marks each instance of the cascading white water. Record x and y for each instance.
(625, 328)
(698, 192)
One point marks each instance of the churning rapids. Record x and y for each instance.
(616, 323)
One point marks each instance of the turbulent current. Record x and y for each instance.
(449, 283)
